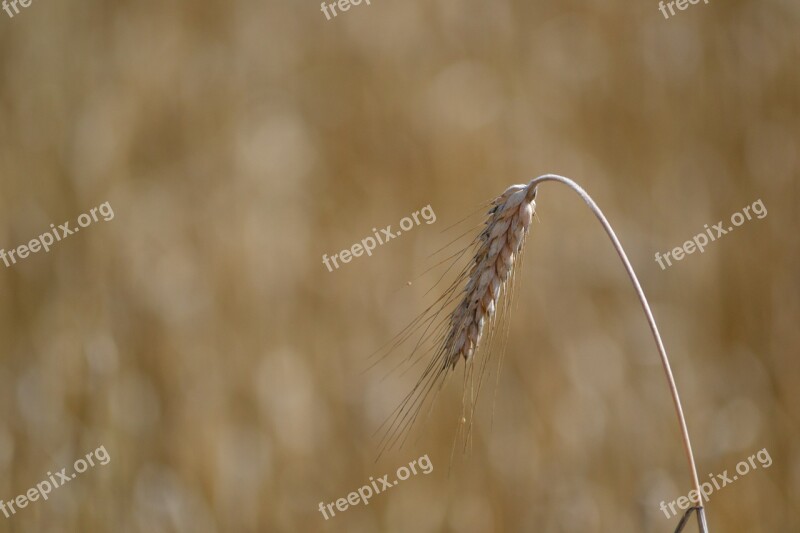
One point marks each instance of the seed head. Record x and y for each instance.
(498, 246)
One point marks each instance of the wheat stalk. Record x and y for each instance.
(687, 445)
(497, 249)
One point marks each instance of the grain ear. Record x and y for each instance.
(491, 267)
(496, 251)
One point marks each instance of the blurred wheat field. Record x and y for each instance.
(200, 339)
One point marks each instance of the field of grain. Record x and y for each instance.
(200, 339)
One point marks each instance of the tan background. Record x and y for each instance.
(199, 338)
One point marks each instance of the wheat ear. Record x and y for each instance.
(497, 248)
(457, 334)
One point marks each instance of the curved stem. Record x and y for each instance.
(687, 445)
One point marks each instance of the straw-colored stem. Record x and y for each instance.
(687, 446)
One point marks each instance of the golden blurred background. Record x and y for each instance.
(198, 337)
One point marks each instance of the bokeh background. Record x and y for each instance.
(200, 339)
